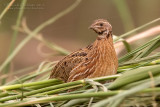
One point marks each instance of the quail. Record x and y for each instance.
(96, 60)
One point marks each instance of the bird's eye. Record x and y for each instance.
(101, 24)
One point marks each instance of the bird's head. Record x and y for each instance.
(101, 26)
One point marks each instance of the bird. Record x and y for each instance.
(96, 60)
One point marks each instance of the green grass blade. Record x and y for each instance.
(130, 54)
(135, 75)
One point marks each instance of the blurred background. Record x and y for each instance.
(71, 31)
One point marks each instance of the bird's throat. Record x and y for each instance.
(104, 36)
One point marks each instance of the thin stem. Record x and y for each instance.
(60, 90)
(39, 37)
(107, 77)
(125, 14)
(138, 28)
(6, 9)
(29, 76)
(153, 57)
(15, 33)
(27, 84)
(21, 71)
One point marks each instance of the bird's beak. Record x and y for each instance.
(91, 27)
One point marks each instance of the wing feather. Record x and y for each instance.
(64, 66)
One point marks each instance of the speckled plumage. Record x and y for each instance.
(96, 60)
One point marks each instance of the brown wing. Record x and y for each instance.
(81, 72)
(64, 66)
(84, 69)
